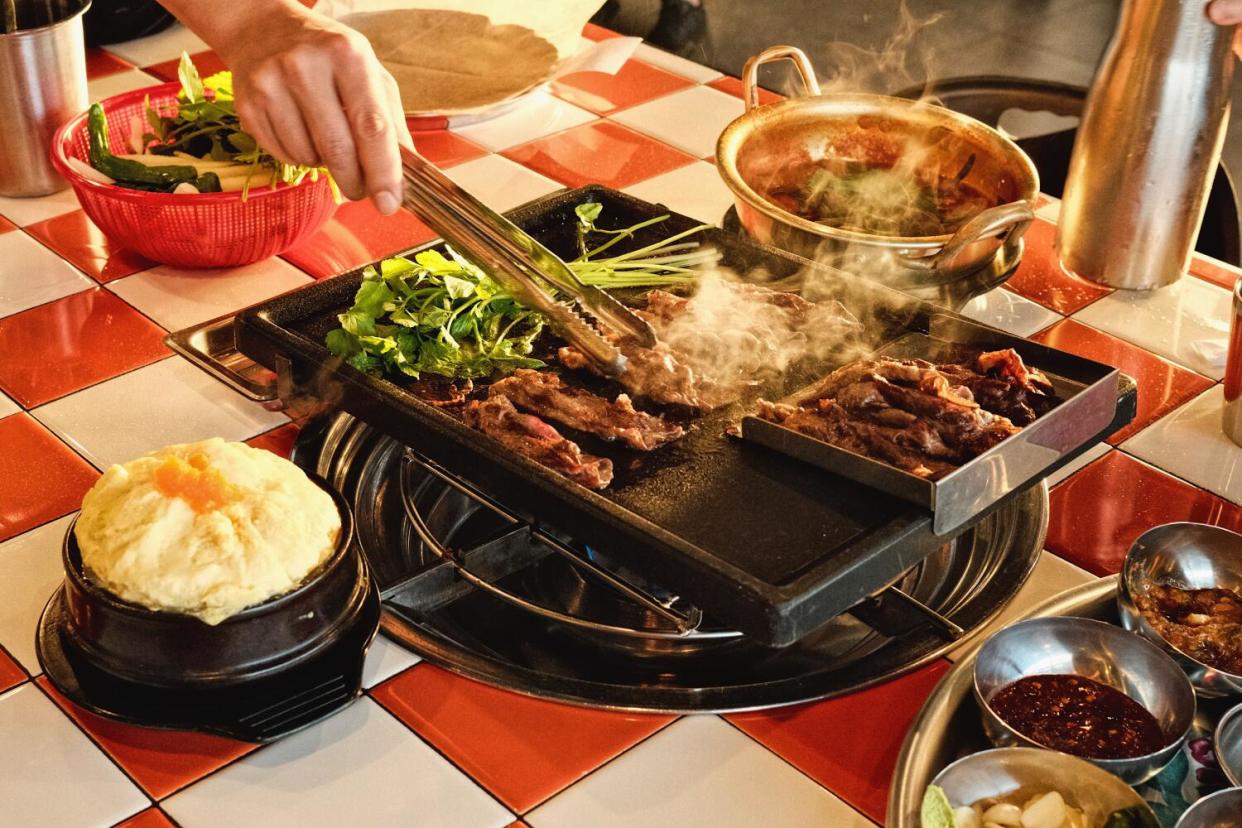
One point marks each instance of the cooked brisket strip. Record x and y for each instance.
(655, 374)
(1002, 384)
(532, 437)
(543, 393)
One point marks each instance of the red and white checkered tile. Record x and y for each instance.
(425, 746)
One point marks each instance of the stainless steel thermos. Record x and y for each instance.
(1148, 146)
(42, 85)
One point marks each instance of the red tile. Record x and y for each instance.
(1041, 278)
(829, 742)
(40, 478)
(279, 441)
(636, 83)
(593, 32)
(1162, 386)
(444, 148)
(733, 86)
(100, 63)
(599, 152)
(523, 750)
(150, 818)
(160, 761)
(87, 337)
(207, 63)
(6, 225)
(11, 673)
(1217, 274)
(76, 238)
(1097, 513)
(355, 236)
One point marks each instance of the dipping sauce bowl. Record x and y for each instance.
(1094, 650)
(1189, 556)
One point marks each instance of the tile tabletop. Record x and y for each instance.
(425, 746)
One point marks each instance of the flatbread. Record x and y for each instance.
(448, 62)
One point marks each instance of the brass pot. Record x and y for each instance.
(776, 139)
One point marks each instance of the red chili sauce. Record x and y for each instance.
(1077, 715)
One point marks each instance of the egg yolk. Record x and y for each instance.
(202, 487)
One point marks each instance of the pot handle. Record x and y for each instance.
(750, 72)
(1004, 221)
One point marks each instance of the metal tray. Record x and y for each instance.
(948, 727)
(1088, 394)
(764, 544)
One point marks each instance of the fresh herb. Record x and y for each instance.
(441, 315)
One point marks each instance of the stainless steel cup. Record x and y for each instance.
(1232, 420)
(42, 85)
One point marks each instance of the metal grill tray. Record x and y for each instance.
(1088, 400)
(760, 542)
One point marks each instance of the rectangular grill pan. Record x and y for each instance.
(761, 542)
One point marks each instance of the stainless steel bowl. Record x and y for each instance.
(760, 148)
(1228, 743)
(998, 773)
(1222, 809)
(1094, 650)
(1191, 556)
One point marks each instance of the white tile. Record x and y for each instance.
(1050, 211)
(1052, 575)
(115, 84)
(1175, 322)
(539, 115)
(699, 771)
(157, 48)
(695, 190)
(1085, 459)
(51, 774)
(691, 119)
(1010, 312)
(500, 183)
(1189, 442)
(23, 211)
(30, 571)
(676, 64)
(30, 274)
(360, 767)
(168, 402)
(178, 298)
(7, 406)
(385, 659)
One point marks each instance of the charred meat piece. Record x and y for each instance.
(910, 445)
(440, 393)
(543, 393)
(655, 374)
(1003, 384)
(530, 436)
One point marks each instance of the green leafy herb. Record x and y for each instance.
(441, 315)
(936, 811)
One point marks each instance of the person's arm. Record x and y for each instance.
(1228, 13)
(309, 89)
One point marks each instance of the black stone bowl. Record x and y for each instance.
(172, 650)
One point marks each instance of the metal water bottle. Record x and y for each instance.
(1148, 146)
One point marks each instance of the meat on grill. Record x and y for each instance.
(531, 437)
(655, 374)
(923, 418)
(545, 394)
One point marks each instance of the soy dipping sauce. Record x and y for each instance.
(1077, 715)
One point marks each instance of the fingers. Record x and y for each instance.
(364, 87)
(288, 124)
(312, 84)
(1225, 12)
(398, 113)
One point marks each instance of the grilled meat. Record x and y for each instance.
(655, 374)
(923, 418)
(543, 393)
(530, 436)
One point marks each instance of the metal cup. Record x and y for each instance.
(1232, 419)
(42, 85)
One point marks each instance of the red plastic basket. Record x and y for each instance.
(192, 231)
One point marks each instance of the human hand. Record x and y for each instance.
(1228, 13)
(311, 91)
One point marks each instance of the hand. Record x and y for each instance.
(1228, 13)
(311, 91)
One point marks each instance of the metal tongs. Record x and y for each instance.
(520, 264)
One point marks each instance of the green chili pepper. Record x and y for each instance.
(125, 171)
